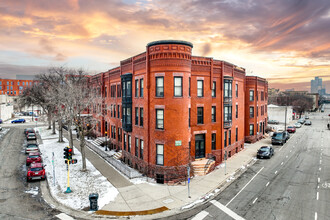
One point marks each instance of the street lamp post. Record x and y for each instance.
(105, 141)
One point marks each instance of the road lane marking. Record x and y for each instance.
(320, 169)
(64, 216)
(318, 180)
(245, 186)
(320, 161)
(267, 184)
(317, 196)
(315, 215)
(318, 187)
(226, 210)
(254, 201)
(290, 151)
(282, 163)
(275, 171)
(200, 215)
(286, 156)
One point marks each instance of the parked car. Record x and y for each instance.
(0, 128)
(31, 136)
(308, 123)
(265, 152)
(306, 117)
(279, 138)
(36, 171)
(1, 121)
(287, 135)
(291, 129)
(301, 121)
(29, 130)
(31, 147)
(34, 157)
(20, 120)
(297, 125)
(273, 122)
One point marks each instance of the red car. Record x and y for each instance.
(36, 171)
(34, 157)
(291, 129)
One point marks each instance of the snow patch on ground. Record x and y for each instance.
(192, 204)
(231, 178)
(142, 180)
(81, 183)
(33, 191)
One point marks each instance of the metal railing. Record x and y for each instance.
(120, 166)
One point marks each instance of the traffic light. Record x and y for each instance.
(73, 161)
(67, 153)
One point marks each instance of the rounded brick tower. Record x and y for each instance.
(169, 68)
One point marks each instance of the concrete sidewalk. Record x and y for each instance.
(163, 200)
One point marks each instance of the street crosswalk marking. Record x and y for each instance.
(227, 210)
(64, 216)
(200, 215)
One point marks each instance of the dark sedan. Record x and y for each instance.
(265, 152)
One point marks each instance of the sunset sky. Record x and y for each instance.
(285, 41)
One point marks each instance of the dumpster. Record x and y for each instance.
(93, 201)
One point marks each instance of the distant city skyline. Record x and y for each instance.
(286, 42)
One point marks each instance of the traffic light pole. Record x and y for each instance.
(68, 190)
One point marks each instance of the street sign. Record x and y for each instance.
(188, 180)
(178, 143)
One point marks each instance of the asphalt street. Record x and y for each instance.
(19, 199)
(293, 184)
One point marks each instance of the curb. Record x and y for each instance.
(145, 212)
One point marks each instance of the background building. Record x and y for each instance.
(317, 87)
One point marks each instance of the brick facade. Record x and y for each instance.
(14, 87)
(168, 82)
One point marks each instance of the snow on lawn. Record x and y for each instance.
(81, 183)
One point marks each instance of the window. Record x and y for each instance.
(251, 112)
(141, 87)
(118, 91)
(213, 114)
(262, 96)
(136, 88)
(189, 112)
(257, 111)
(7, 82)
(0, 82)
(225, 139)
(160, 86)
(105, 109)
(129, 143)
(229, 137)
(251, 95)
(118, 110)
(236, 137)
(200, 115)
(227, 113)
(236, 111)
(11, 83)
(227, 89)
(129, 115)
(11, 88)
(177, 86)
(141, 117)
(213, 89)
(18, 83)
(111, 110)
(136, 116)
(1, 87)
(23, 83)
(189, 86)
(114, 132)
(141, 149)
(136, 147)
(236, 90)
(213, 141)
(160, 154)
(251, 129)
(125, 141)
(260, 129)
(119, 134)
(114, 110)
(200, 89)
(129, 88)
(160, 119)
(105, 91)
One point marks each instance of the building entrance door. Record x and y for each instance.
(199, 146)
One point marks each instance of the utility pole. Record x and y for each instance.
(188, 170)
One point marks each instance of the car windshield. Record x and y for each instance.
(32, 146)
(36, 169)
(34, 156)
(278, 135)
(263, 149)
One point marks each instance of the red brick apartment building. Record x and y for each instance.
(13, 87)
(165, 108)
